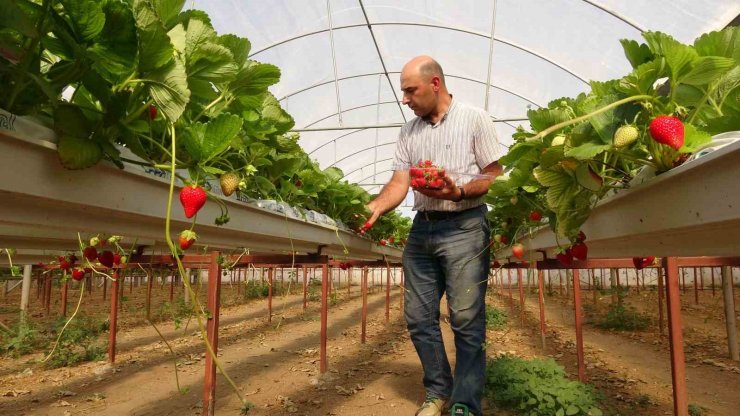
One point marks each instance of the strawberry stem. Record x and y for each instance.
(576, 120)
(181, 269)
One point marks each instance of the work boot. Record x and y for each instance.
(432, 406)
(459, 409)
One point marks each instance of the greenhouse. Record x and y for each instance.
(301, 207)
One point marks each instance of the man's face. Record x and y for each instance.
(418, 93)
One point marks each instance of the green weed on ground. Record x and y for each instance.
(537, 388)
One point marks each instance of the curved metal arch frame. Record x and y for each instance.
(384, 144)
(374, 174)
(470, 32)
(337, 138)
(369, 164)
(346, 110)
(321, 84)
(360, 151)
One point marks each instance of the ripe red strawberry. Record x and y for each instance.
(192, 198)
(391, 239)
(416, 172)
(187, 238)
(496, 264)
(504, 239)
(116, 259)
(642, 262)
(581, 237)
(383, 242)
(229, 182)
(535, 215)
(579, 251)
(90, 253)
(78, 274)
(667, 130)
(437, 183)
(566, 257)
(517, 250)
(367, 225)
(152, 112)
(64, 264)
(106, 258)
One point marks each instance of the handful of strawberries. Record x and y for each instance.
(427, 175)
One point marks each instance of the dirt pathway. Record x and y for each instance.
(276, 366)
(637, 364)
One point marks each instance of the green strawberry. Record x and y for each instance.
(229, 183)
(625, 136)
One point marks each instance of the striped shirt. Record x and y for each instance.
(463, 142)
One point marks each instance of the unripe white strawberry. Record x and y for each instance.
(229, 183)
(625, 136)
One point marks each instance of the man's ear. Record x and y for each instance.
(436, 83)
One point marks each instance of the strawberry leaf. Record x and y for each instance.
(239, 48)
(70, 121)
(169, 89)
(78, 153)
(206, 140)
(255, 78)
(724, 43)
(693, 139)
(114, 51)
(636, 53)
(87, 17)
(155, 48)
(587, 150)
(677, 55)
(707, 69)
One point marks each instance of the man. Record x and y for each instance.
(447, 249)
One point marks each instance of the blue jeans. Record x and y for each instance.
(451, 256)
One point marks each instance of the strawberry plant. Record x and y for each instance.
(146, 73)
(538, 388)
(495, 318)
(576, 150)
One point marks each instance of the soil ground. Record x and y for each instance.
(275, 365)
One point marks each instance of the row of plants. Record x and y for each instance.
(537, 387)
(580, 150)
(114, 78)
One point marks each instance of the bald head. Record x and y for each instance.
(424, 66)
(423, 86)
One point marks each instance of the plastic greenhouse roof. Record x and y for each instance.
(341, 59)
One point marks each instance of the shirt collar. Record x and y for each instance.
(444, 116)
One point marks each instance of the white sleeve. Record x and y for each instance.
(486, 143)
(402, 157)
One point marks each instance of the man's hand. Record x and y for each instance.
(449, 192)
(390, 196)
(375, 213)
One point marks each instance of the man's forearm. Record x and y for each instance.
(476, 188)
(390, 197)
(479, 187)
